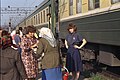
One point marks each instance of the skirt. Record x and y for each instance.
(73, 60)
(52, 74)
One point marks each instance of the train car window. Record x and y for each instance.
(78, 6)
(44, 16)
(93, 4)
(115, 1)
(41, 17)
(97, 3)
(34, 20)
(38, 18)
(71, 7)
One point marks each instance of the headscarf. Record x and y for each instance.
(13, 33)
(48, 35)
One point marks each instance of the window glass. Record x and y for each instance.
(71, 7)
(93, 4)
(79, 6)
(115, 1)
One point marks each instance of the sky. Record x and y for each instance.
(5, 18)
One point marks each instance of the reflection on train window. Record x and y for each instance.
(115, 1)
(93, 4)
(71, 7)
(78, 6)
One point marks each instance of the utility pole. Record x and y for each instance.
(55, 16)
(53, 21)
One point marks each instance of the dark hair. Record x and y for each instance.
(20, 28)
(72, 26)
(17, 32)
(31, 29)
(4, 32)
(49, 14)
(6, 42)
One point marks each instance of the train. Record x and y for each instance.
(98, 21)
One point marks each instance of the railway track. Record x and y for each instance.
(109, 75)
(100, 72)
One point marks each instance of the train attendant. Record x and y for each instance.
(29, 61)
(72, 43)
(51, 69)
(49, 22)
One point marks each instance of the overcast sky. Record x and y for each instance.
(16, 3)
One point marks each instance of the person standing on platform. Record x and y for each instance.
(72, 43)
(11, 65)
(17, 39)
(21, 32)
(31, 65)
(51, 68)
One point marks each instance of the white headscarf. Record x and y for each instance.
(48, 35)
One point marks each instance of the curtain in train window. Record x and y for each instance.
(79, 6)
(91, 4)
(71, 7)
(115, 1)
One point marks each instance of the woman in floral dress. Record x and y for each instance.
(29, 61)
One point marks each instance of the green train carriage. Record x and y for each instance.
(100, 27)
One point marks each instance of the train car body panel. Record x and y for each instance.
(100, 28)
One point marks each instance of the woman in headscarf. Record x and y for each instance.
(51, 69)
(31, 65)
(11, 67)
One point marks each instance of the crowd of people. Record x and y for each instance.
(21, 50)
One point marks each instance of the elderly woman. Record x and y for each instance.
(31, 65)
(11, 67)
(51, 60)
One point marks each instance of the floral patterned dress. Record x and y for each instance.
(29, 61)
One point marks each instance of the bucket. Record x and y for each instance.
(65, 74)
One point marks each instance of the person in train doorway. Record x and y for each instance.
(73, 43)
(49, 20)
(30, 63)
(51, 67)
(11, 65)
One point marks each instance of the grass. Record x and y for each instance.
(96, 77)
